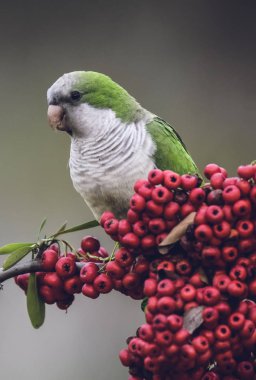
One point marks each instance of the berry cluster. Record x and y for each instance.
(222, 242)
(61, 276)
(157, 206)
(199, 299)
(189, 326)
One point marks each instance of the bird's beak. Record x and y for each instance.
(56, 118)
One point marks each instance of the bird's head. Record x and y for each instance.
(76, 99)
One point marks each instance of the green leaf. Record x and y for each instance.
(9, 248)
(42, 226)
(16, 256)
(60, 230)
(80, 227)
(35, 306)
(144, 304)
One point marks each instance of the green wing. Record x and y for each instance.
(171, 153)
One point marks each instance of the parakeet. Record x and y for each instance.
(114, 140)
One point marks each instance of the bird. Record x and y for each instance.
(114, 140)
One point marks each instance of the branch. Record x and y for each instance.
(27, 267)
(31, 266)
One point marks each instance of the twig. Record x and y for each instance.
(31, 266)
(27, 267)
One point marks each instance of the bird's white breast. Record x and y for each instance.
(105, 167)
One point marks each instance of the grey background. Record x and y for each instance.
(191, 62)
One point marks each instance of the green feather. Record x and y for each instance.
(171, 153)
(101, 91)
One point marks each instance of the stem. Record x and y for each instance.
(31, 266)
(28, 267)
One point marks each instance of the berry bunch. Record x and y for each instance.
(61, 276)
(199, 299)
(222, 242)
(189, 326)
(157, 206)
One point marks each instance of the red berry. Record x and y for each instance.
(183, 267)
(22, 281)
(156, 226)
(123, 257)
(222, 332)
(65, 303)
(52, 280)
(211, 296)
(88, 290)
(137, 203)
(201, 344)
(164, 338)
(203, 233)
(181, 336)
(106, 216)
(172, 180)
(166, 287)
(188, 181)
(214, 214)
(242, 208)
(156, 177)
(166, 305)
(231, 194)
(139, 183)
(49, 259)
(125, 357)
(210, 316)
(150, 287)
(161, 195)
(188, 293)
(244, 186)
(174, 322)
(47, 294)
(148, 241)
(221, 282)
(215, 197)
(236, 289)
(132, 216)
(171, 210)
(248, 329)
(245, 370)
(90, 244)
(166, 265)
(211, 169)
(124, 227)
(111, 226)
(103, 284)
(222, 230)
(159, 322)
(154, 209)
(217, 180)
(114, 270)
(131, 240)
(73, 285)
(65, 267)
(197, 196)
(238, 272)
(245, 228)
(236, 321)
(131, 280)
(145, 190)
(229, 253)
(186, 209)
(146, 332)
(245, 171)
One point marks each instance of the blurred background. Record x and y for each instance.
(191, 62)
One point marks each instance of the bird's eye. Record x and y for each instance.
(75, 95)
